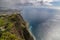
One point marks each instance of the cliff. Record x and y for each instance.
(13, 27)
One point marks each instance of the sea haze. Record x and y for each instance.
(44, 22)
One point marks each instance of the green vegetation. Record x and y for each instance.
(8, 36)
(6, 24)
(13, 27)
(2, 22)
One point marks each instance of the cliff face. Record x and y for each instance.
(13, 27)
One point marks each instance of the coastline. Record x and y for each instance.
(31, 34)
(26, 34)
(29, 30)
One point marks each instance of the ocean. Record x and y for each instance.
(44, 22)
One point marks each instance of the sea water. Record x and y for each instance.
(44, 22)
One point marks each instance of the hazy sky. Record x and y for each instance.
(13, 3)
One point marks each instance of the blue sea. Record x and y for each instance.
(44, 22)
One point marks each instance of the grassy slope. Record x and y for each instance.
(13, 27)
